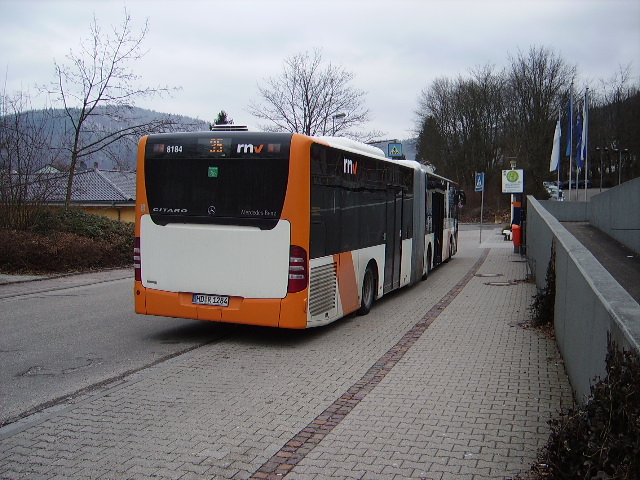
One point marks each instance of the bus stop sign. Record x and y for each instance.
(512, 181)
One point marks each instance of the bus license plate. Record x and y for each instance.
(215, 300)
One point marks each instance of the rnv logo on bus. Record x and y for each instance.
(249, 148)
(350, 166)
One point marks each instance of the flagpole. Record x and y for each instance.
(559, 157)
(585, 143)
(570, 173)
(570, 146)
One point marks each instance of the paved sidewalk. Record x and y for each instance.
(439, 381)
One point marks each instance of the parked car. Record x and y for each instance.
(565, 185)
(555, 193)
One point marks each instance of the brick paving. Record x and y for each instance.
(439, 381)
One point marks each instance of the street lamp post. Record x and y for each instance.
(601, 150)
(512, 164)
(333, 121)
(619, 152)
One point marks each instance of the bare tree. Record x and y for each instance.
(477, 121)
(97, 81)
(25, 146)
(620, 121)
(312, 98)
(460, 122)
(474, 123)
(537, 88)
(614, 124)
(437, 127)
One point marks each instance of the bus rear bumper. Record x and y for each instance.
(248, 311)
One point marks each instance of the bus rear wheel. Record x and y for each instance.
(368, 291)
(428, 269)
(451, 251)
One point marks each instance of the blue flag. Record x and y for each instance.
(579, 159)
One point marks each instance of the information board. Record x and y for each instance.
(512, 181)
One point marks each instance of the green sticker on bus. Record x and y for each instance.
(213, 172)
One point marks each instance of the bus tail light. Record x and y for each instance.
(137, 267)
(298, 269)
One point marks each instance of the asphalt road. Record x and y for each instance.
(65, 336)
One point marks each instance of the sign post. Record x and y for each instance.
(480, 188)
(513, 183)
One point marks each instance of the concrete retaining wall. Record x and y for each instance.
(567, 211)
(617, 213)
(590, 303)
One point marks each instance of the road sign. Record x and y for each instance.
(480, 188)
(512, 181)
(395, 150)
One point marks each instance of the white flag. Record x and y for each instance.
(555, 152)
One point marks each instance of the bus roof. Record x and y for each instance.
(352, 146)
(428, 169)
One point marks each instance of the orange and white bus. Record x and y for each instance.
(281, 229)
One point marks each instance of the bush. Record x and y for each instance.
(600, 440)
(67, 241)
(469, 214)
(543, 306)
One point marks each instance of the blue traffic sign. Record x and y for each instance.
(479, 182)
(395, 150)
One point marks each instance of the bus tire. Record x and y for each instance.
(368, 291)
(424, 277)
(450, 250)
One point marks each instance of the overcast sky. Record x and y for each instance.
(219, 51)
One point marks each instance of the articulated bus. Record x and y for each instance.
(281, 229)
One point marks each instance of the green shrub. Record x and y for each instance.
(67, 241)
(543, 306)
(601, 439)
(73, 220)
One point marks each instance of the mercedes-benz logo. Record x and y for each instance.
(211, 210)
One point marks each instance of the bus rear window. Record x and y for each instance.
(233, 189)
